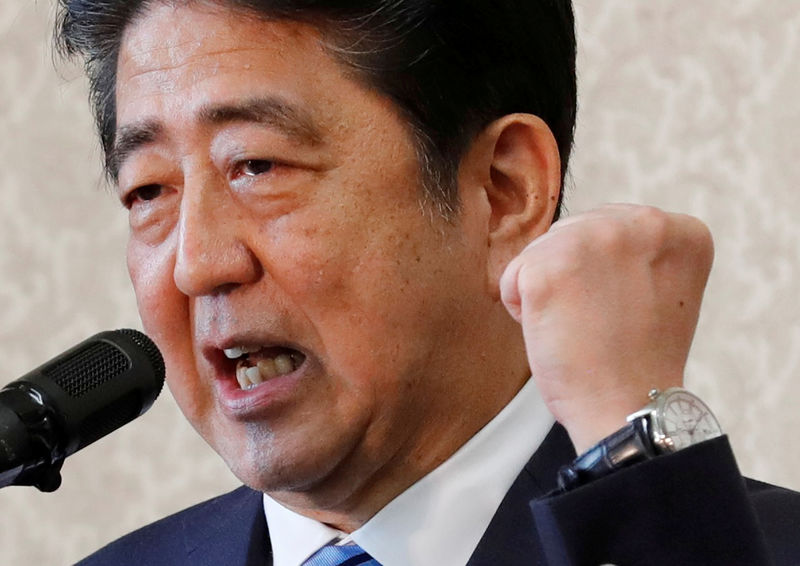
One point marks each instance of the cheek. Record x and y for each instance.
(309, 257)
(158, 299)
(164, 311)
(363, 285)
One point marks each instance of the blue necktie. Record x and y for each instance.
(346, 555)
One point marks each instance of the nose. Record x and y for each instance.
(212, 254)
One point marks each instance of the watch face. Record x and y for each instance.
(682, 420)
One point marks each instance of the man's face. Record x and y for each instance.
(275, 207)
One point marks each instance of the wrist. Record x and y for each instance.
(673, 420)
(589, 426)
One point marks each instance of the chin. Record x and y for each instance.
(263, 464)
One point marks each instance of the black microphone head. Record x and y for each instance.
(99, 385)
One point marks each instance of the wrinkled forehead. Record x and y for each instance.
(185, 56)
(186, 74)
(161, 36)
(170, 48)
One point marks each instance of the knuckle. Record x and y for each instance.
(609, 236)
(655, 224)
(701, 241)
(701, 233)
(535, 287)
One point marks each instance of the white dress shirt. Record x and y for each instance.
(439, 520)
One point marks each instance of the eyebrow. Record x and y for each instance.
(129, 139)
(271, 111)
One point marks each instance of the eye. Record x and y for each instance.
(255, 167)
(144, 193)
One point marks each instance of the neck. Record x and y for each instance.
(345, 504)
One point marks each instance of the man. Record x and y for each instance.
(332, 206)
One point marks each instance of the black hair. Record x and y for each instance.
(450, 66)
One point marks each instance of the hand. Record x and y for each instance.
(608, 301)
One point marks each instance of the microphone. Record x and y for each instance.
(78, 397)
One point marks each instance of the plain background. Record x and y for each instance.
(689, 105)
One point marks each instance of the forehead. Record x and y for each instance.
(195, 51)
(168, 37)
(171, 32)
(189, 75)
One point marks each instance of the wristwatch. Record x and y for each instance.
(673, 420)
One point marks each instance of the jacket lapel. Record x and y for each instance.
(237, 534)
(242, 537)
(510, 538)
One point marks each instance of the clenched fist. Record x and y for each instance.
(608, 302)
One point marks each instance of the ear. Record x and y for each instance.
(516, 164)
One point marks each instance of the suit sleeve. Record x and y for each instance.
(691, 507)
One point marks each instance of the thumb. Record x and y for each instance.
(509, 289)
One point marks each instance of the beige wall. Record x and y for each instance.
(689, 105)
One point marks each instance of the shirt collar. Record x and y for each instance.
(439, 520)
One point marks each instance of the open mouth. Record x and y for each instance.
(256, 365)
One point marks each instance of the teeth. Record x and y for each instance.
(233, 353)
(241, 377)
(254, 375)
(250, 376)
(283, 364)
(267, 368)
(239, 351)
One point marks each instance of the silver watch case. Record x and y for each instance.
(676, 419)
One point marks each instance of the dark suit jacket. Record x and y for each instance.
(688, 508)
